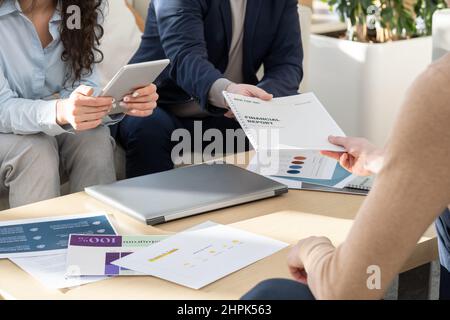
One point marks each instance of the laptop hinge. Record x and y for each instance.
(154, 221)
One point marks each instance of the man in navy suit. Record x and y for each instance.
(214, 46)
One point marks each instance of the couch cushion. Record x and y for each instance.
(121, 39)
(4, 202)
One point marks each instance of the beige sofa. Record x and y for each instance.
(140, 10)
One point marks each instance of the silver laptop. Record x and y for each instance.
(187, 191)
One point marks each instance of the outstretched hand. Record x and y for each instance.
(361, 157)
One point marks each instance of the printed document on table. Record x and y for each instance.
(92, 255)
(198, 258)
(44, 236)
(297, 122)
(50, 270)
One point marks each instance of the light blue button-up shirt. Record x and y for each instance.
(31, 77)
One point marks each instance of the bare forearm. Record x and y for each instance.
(375, 161)
(412, 189)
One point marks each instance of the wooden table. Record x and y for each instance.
(288, 218)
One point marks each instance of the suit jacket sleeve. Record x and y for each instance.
(181, 28)
(283, 70)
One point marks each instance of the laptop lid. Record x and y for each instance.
(186, 191)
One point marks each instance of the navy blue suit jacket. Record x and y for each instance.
(196, 35)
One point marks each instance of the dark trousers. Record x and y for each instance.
(279, 289)
(444, 289)
(148, 141)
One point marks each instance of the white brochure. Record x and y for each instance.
(197, 258)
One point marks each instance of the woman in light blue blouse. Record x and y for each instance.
(50, 123)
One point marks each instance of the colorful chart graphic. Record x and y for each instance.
(305, 164)
(296, 165)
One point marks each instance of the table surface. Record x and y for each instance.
(289, 218)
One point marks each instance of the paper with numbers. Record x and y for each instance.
(201, 256)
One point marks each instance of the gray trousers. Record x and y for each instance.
(32, 167)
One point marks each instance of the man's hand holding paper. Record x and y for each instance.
(247, 91)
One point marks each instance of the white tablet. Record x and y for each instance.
(130, 78)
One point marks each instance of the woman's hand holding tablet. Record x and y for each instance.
(82, 110)
(132, 88)
(141, 103)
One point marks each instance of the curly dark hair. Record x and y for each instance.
(81, 46)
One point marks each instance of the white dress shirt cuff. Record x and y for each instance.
(215, 96)
(46, 116)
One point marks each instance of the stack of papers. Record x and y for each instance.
(46, 236)
(92, 255)
(51, 271)
(72, 251)
(39, 246)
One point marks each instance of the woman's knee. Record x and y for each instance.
(36, 151)
(88, 158)
(94, 146)
(33, 160)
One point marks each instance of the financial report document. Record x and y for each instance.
(298, 122)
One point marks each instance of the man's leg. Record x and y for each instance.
(29, 168)
(444, 288)
(279, 289)
(87, 158)
(147, 142)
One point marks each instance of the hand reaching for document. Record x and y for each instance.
(361, 158)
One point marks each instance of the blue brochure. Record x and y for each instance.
(34, 237)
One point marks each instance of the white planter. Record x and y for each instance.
(363, 85)
(441, 33)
